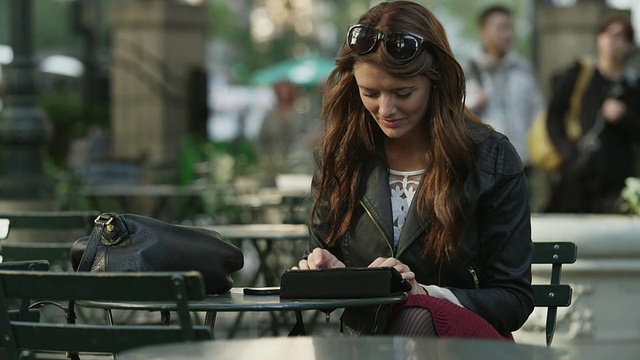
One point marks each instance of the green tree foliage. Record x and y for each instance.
(64, 112)
(223, 23)
(52, 26)
(230, 22)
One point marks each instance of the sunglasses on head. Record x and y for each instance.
(401, 46)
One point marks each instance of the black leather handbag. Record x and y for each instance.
(135, 243)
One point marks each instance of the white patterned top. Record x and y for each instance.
(403, 186)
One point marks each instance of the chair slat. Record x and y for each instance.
(100, 286)
(554, 252)
(31, 265)
(54, 252)
(50, 220)
(552, 295)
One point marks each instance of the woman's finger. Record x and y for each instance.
(378, 262)
(312, 262)
(408, 275)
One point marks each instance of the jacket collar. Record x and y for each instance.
(377, 199)
(413, 228)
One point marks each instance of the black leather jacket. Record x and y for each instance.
(492, 277)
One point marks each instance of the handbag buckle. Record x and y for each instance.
(105, 220)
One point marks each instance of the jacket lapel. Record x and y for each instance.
(377, 199)
(413, 227)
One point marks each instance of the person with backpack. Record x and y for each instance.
(598, 156)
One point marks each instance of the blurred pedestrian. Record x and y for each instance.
(283, 143)
(501, 86)
(596, 163)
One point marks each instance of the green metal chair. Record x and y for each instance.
(20, 335)
(55, 250)
(35, 265)
(554, 294)
(13, 306)
(50, 220)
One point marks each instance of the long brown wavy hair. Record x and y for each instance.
(352, 139)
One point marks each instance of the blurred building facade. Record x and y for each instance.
(564, 34)
(158, 55)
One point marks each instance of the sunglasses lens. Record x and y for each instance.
(361, 39)
(401, 46)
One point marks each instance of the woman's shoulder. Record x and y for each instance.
(495, 153)
(497, 156)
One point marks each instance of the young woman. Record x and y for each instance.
(408, 178)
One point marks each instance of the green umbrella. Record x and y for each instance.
(307, 71)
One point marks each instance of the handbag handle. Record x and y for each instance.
(101, 222)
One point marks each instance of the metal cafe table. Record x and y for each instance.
(262, 238)
(266, 234)
(235, 301)
(160, 193)
(344, 348)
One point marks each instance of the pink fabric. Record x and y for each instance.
(451, 320)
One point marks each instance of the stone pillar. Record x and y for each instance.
(156, 46)
(24, 131)
(604, 279)
(563, 34)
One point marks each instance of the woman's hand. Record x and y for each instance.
(408, 275)
(319, 259)
(613, 110)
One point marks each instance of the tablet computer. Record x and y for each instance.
(339, 283)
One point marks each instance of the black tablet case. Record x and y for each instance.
(342, 283)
